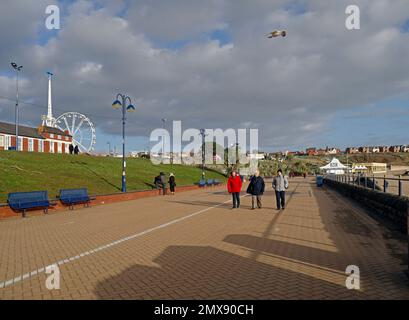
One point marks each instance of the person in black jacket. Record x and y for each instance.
(158, 183)
(256, 189)
(172, 183)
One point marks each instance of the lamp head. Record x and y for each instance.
(130, 108)
(15, 66)
(116, 104)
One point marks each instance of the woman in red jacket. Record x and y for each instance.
(234, 187)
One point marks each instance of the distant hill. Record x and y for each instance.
(26, 171)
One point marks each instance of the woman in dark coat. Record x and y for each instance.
(256, 189)
(172, 183)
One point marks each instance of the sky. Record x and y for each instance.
(210, 65)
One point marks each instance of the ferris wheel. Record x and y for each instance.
(80, 128)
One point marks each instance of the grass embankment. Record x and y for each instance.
(24, 171)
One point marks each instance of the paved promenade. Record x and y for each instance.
(193, 246)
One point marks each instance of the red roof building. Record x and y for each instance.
(42, 139)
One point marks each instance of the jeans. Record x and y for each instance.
(253, 200)
(280, 198)
(236, 199)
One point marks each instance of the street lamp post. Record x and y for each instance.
(121, 101)
(163, 141)
(203, 134)
(109, 148)
(18, 69)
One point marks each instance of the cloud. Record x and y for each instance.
(177, 19)
(289, 88)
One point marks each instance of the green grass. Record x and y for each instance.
(23, 171)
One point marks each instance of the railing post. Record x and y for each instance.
(400, 186)
(366, 181)
(359, 179)
(384, 183)
(373, 183)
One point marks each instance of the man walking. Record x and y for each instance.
(234, 185)
(163, 182)
(280, 184)
(256, 189)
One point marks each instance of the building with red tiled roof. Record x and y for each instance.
(31, 139)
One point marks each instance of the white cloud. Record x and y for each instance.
(288, 87)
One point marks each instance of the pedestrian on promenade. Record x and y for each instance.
(172, 183)
(280, 185)
(234, 185)
(158, 183)
(71, 148)
(163, 182)
(256, 189)
(76, 150)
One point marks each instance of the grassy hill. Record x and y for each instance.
(24, 171)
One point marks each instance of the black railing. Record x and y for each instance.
(395, 185)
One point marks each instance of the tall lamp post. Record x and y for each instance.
(203, 134)
(109, 148)
(163, 141)
(18, 69)
(121, 101)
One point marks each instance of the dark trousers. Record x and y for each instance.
(164, 189)
(253, 200)
(236, 199)
(280, 198)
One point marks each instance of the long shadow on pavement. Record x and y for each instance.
(204, 272)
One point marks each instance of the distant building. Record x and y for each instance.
(311, 151)
(43, 139)
(394, 149)
(404, 149)
(256, 156)
(320, 152)
(373, 167)
(332, 151)
(138, 154)
(383, 149)
(352, 150)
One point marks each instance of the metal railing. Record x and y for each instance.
(394, 185)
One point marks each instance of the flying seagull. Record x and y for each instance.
(276, 33)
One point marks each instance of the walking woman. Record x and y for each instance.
(172, 183)
(234, 185)
(256, 189)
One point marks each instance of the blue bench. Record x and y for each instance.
(22, 201)
(202, 183)
(210, 182)
(74, 196)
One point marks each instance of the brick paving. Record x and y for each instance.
(193, 246)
